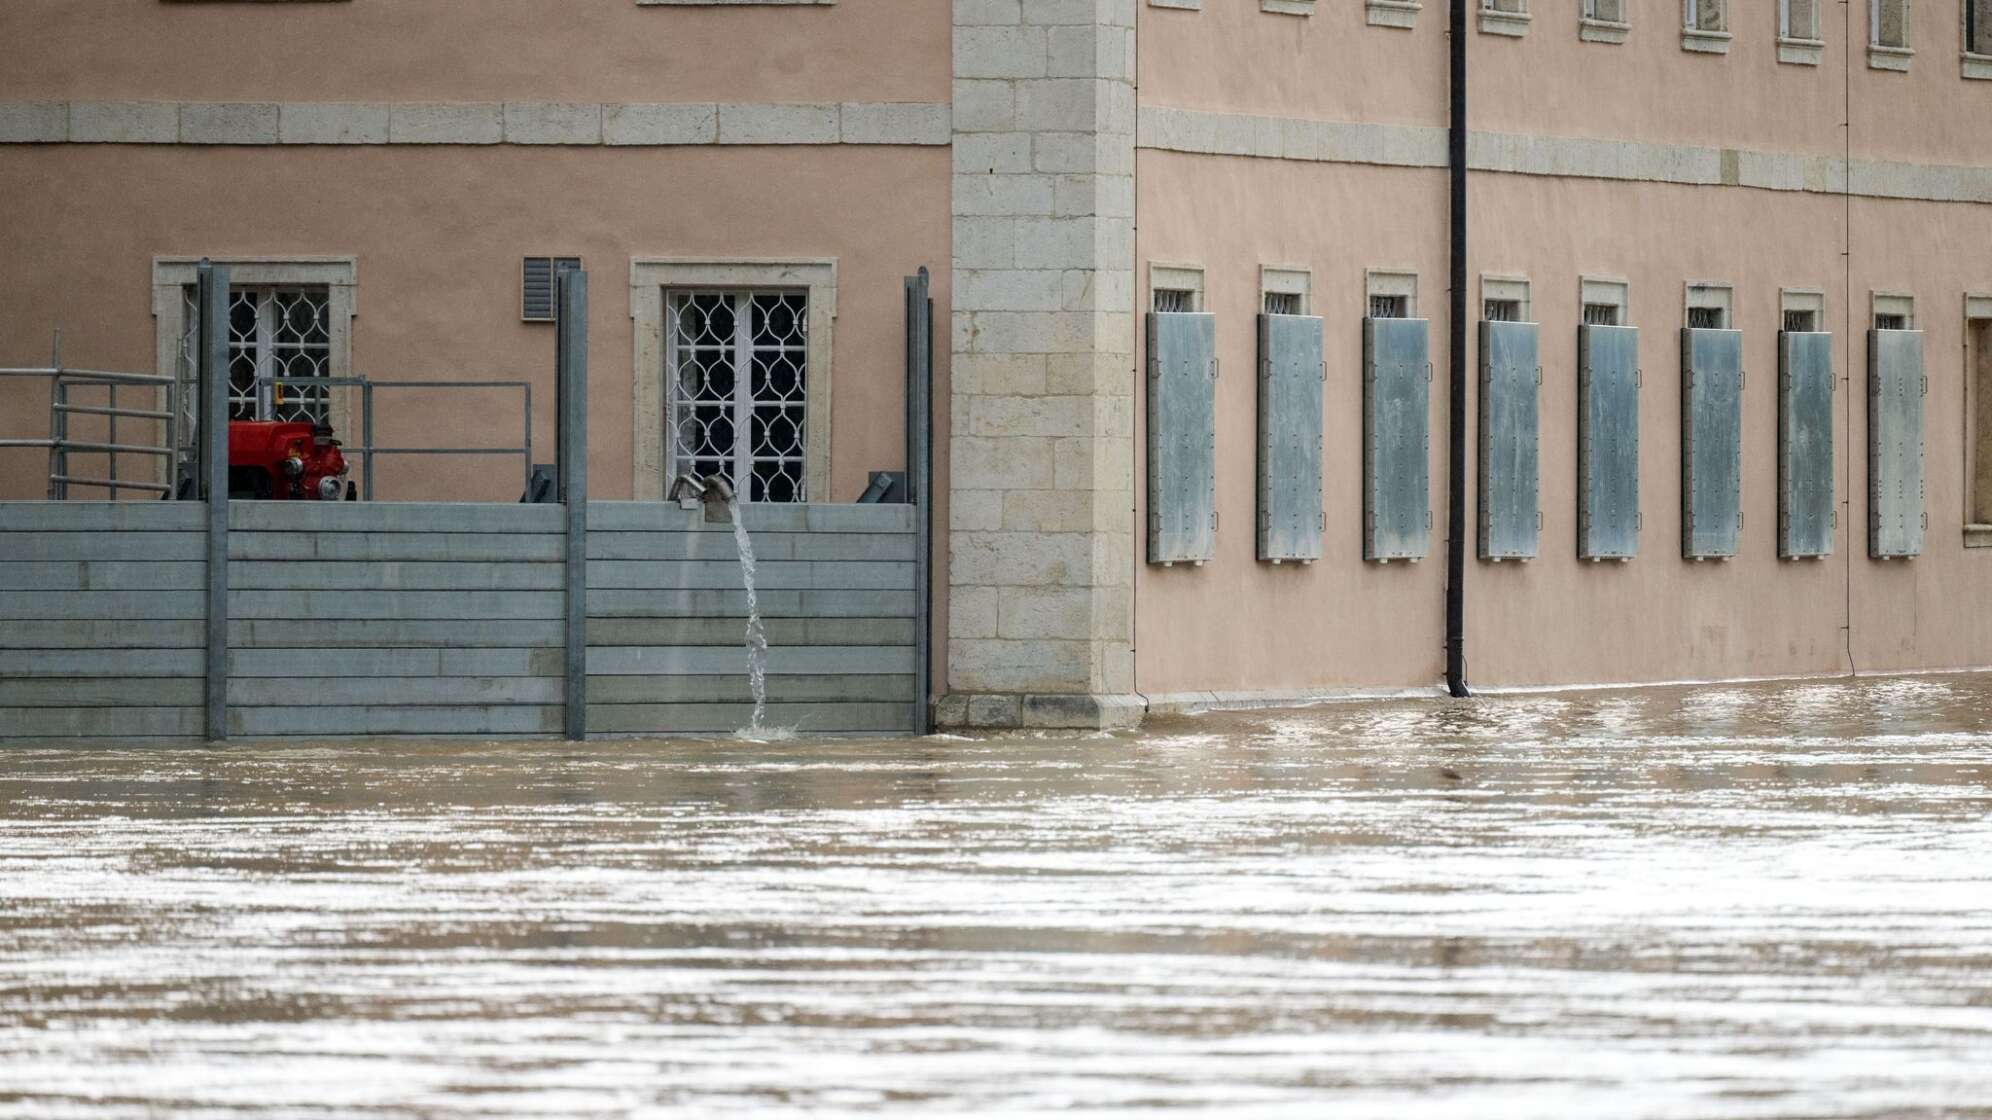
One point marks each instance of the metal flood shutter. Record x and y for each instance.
(1509, 382)
(1182, 437)
(1805, 445)
(1895, 443)
(1607, 442)
(1290, 377)
(1397, 375)
(1711, 442)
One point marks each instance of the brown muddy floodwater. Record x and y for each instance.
(1750, 901)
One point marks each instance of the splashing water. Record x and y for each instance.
(757, 634)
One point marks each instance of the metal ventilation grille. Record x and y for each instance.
(1389, 307)
(1601, 314)
(1175, 301)
(1283, 303)
(537, 303)
(1705, 318)
(1801, 321)
(1887, 321)
(1502, 311)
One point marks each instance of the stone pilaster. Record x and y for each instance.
(1042, 453)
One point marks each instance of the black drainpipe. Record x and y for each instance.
(1456, 362)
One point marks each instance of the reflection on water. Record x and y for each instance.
(1761, 901)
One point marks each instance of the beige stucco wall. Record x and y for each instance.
(438, 233)
(474, 50)
(1240, 625)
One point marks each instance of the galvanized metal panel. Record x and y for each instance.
(1711, 442)
(609, 545)
(1510, 376)
(611, 661)
(102, 723)
(330, 721)
(102, 604)
(276, 692)
(305, 605)
(362, 633)
(412, 547)
(696, 719)
(768, 575)
(103, 634)
(66, 663)
(725, 631)
(393, 517)
(102, 575)
(1607, 442)
(1895, 444)
(116, 517)
(1290, 376)
(733, 688)
(101, 692)
(392, 575)
(1396, 439)
(733, 604)
(1182, 437)
(1805, 444)
(413, 662)
(32, 546)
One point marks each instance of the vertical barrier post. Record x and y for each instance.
(571, 407)
(919, 486)
(212, 388)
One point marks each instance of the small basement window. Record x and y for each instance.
(1978, 387)
(1798, 19)
(1705, 15)
(1608, 11)
(1504, 299)
(1602, 303)
(1175, 289)
(1283, 303)
(1391, 295)
(1894, 312)
(1803, 311)
(1284, 291)
(1709, 307)
(537, 286)
(1888, 23)
(1978, 27)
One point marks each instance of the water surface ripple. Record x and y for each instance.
(1739, 901)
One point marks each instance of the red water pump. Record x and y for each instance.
(286, 460)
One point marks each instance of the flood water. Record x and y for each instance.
(1751, 901)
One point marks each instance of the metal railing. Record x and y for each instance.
(59, 444)
(366, 450)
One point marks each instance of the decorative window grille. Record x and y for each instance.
(537, 286)
(1505, 5)
(273, 332)
(1601, 314)
(1705, 15)
(1389, 307)
(1283, 303)
(1608, 11)
(1978, 26)
(737, 368)
(1888, 23)
(1175, 300)
(1706, 318)
(1798, 19)
(1801, 320)
(1501, 310)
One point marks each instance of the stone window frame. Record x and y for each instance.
(1185, 5)
(1287, 280)
(1391, 282)
(1799, 50)
(1977, 309)
(1709, 294)
(1510, 18)
(651, 277)
(734, 3)
(1890, 57)
(1506, 286)
(1287, 7)
(1180, 277)
(1401, 14)
(1890, 302)
(1592, 28)
(1803, 299)
(1610, 291)
(1696, 37)
(339, 275)
(1974, 65)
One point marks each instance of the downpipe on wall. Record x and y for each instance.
(1456, 363)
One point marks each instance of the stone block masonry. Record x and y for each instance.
(1042, 460)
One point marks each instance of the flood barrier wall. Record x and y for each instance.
(448, 620)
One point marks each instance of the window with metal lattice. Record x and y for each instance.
(537, 286)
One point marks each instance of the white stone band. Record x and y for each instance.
(1319, 141)
(513, 122)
